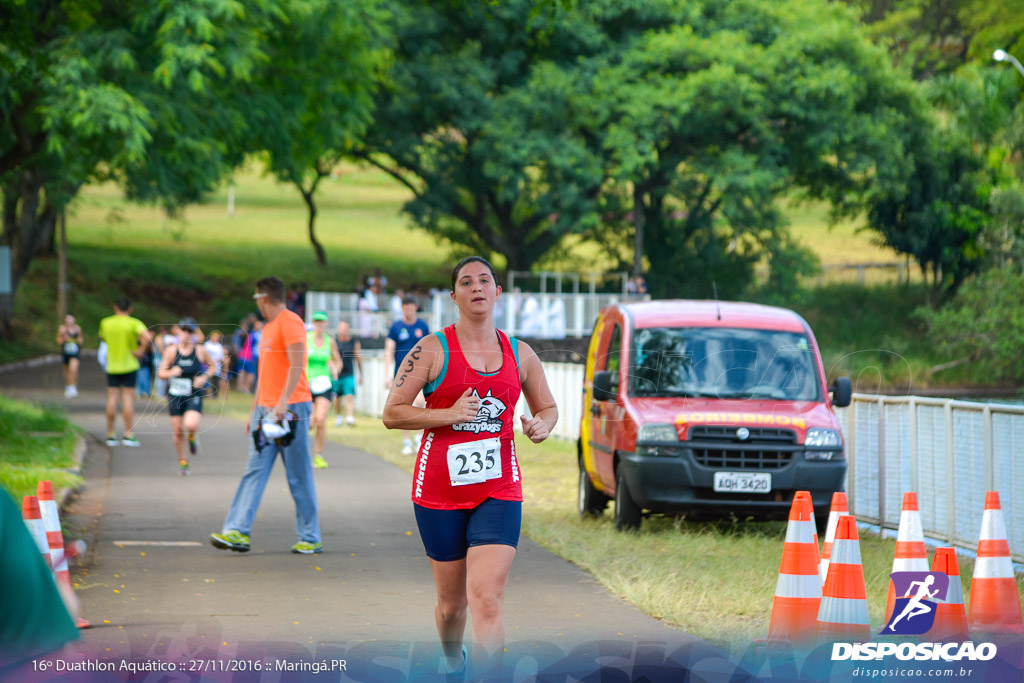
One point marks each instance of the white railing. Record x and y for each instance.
(565, 380)
(950, 452)
(524, 314)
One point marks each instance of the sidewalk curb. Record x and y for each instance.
(38, 361)
(64, 496)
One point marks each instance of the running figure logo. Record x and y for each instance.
(488, 417)
(914, 612)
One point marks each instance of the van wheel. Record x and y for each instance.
(591, 501)
(821, 524)
(627, 512)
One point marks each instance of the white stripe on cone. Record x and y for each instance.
(798, 586)
(993, 568)
(955, 594)
(910, 527)
(843, 611)
(993, 528)
(800, 532)
(910, 564)
(38, 533)
(51, 523)
(845, 551)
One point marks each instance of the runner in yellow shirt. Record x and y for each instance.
(126, 338)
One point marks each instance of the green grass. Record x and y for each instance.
(37, 443)
(715, 580)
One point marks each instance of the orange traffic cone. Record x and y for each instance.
(798, 590)
(950, 618)
(844, 605)
(839, 507)
(34, 521)
(911, 555)
(995, 603)
(58, 558)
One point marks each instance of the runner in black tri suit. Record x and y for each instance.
(184, 366)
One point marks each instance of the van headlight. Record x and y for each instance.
(657, 432)
(651, 434)
(822, 438)
(819, 438)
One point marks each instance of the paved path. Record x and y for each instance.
(368, 599)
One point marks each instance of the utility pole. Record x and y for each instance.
(62, 266)
(638, 226)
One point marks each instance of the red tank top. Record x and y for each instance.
(460, 466)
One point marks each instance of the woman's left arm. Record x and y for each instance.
(538, 396)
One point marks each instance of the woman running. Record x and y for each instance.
(183, 367)
(323, 363)
(69, 336)
(467, 496)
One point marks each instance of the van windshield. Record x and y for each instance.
(724, 362)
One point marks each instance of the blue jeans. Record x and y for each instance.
(298, 468)
(143, 387)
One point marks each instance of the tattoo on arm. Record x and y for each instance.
(401, 380)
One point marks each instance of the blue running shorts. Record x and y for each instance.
(448, 534)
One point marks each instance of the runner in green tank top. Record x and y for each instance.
(323, 363)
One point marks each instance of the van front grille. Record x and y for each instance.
(745, 459)
(759, 435)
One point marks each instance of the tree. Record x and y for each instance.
(982, 325)
(116, 90)
(481, 121)
(315, 97)
(724, 107)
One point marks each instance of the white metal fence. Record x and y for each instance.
(950, 452)
(524, 314)
(565, 380)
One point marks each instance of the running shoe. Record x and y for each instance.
(130, 440)
(307, 548)
(193, 444)
(112, 440)
(72, 391)
(231, 540)
(419, 441)
(183, 465)
(407, 447)
(338, 421)
(350, 421)
(318, 462)
(459, 674)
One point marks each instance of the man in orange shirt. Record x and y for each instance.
(279, 424)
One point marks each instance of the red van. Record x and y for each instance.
(707, 408)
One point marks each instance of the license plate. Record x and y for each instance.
(743, 482)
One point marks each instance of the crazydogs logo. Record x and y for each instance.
(487, 417)
(914, 612)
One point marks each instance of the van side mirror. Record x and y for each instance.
(842, 392)
(606, 385)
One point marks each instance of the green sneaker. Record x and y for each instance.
(130, 440)
(230, 540)
(306, 548)
(319, 462)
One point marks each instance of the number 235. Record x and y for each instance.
(477, 461)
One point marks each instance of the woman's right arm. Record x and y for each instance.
(165, 364)
(420, 366)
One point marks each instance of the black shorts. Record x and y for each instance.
(179, 405)
(329, 395)
(68, 356)
(448, 534)
(127, 380)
